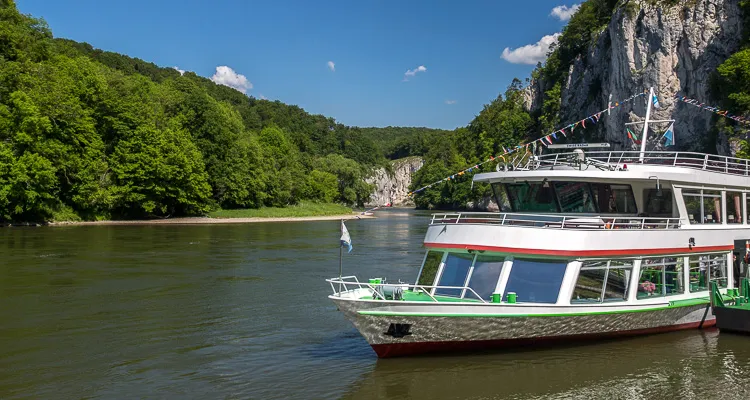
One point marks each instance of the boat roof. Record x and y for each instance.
(697, 169)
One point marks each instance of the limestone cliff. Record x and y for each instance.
(393, 188)
(674, 48)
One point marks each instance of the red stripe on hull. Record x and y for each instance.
(579, 253)
(406, 349)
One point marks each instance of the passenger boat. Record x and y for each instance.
(588, 244)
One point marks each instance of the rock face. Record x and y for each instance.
(394, 188)
(675, 49)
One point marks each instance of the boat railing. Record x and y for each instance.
(378, 290)
(555, 221)
(699, 161)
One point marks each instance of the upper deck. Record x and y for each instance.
(683, 167)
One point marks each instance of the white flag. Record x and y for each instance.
(346, 240)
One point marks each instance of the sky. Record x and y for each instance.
(430, 63)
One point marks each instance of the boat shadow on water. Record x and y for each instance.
(674, 365)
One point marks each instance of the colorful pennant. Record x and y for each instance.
(715, 110)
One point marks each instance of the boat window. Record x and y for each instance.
(454, 273)
(661, 276)
(711, 207)
(703, 206)
(693, 206)
(590, 283)
(484, 276)
(658, 202)
(501, 197)
(531, 196)
(614, 199)
(618, 283)
(575, 197)
(535, 281)
(734, 207)
(430, 267)
(705, 267)
(603, 281)
(568, 197)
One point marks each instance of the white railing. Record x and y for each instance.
(349, 283)
(555, 221)
(699, 161)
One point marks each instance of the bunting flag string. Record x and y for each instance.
(715, 110)
(545, 140)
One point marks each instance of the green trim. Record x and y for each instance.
(672, 304)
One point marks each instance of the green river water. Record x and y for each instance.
(241, 311)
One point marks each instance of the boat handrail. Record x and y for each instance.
(555, 221)
(346, 281)
(684, 159)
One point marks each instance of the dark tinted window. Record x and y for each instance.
(532, 196)
(454, 273)
(535, 281)
(658, 202)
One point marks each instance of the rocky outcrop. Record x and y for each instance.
(675, 49)
(392, 187)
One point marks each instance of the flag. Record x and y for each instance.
(632, 136)
(669, 135)
(656, 102)
(346, 240)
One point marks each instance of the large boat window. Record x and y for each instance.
(568, 197)
(603, 281)
(734, 207)
(703, 206)
(501, 197)
(614, 199)
(430, 267)
(575, 197)
(484, 276)
(661, 276)
(454, 273)
(535, 281)
(658, 202)
(532, 196)
(706, 267)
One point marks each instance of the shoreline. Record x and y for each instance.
(209, 221)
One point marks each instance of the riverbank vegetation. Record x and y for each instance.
(305, 209)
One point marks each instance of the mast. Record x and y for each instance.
(649, 102)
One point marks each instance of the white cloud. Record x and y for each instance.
(563, 13)
(181, 71)
(412, 72)
(531, 53)
(331, 66)
(227, 77)
(260, 96)
(449, 102)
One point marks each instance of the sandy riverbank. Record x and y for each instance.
(206, 220)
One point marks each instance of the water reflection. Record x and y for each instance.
(681, 365)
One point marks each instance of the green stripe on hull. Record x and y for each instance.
(672, 304)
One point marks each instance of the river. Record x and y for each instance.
(240, 311)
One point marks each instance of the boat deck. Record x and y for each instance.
(409, 295)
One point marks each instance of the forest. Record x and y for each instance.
(91, 134)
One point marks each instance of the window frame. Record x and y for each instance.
(606, 268)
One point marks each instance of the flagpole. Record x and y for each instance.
(649, 102)
(341, 253)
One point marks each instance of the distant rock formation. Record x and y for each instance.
(393, 188)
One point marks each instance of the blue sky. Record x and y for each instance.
(455, 51)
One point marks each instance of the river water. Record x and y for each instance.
(240, 311)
